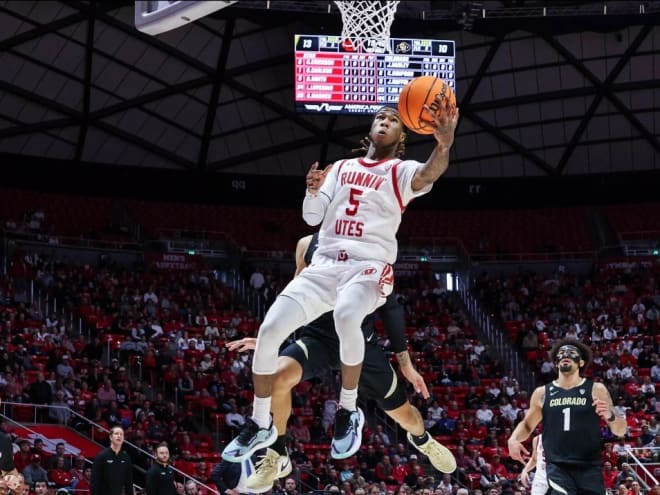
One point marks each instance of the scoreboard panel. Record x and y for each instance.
(333, 75)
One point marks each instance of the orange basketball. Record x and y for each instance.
(415, 95)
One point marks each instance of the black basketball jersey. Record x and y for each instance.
(571, 427)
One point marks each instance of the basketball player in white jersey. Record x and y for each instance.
(537, 460)
(358, 203)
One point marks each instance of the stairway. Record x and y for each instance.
(491, 332)
(603, 237)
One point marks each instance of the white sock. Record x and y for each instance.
(348, 399)
(261, 411)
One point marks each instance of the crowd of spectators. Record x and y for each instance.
(615, 310)
(149, 354)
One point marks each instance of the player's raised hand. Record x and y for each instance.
(444, 120)
(517, 451)
(315, 177)
(242, 345)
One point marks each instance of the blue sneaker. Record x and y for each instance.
(250, 439)
(347, 436)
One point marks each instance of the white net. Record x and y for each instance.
(367, 23)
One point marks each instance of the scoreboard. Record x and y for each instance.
(333, 75)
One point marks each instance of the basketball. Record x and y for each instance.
(417, 93)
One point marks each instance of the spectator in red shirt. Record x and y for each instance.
(38, 448)
(633, 386)
(413, 465)
(477, 432)
(497, 466)
(82, 487)
(609, 455)
(626, 358)
(60, 475)
(78, 468)
(609, 475)
(383, 471)
(22, 457)
(398, 470)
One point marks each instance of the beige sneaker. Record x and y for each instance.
(439, 455)
(267, 469)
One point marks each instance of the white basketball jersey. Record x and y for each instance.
(367, 199)
(540, 482)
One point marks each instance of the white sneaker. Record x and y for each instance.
(268, 468)
(439, 455)
(249, 440)
(347, 436)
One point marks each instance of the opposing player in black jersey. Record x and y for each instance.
(571, 408)
(317, 350)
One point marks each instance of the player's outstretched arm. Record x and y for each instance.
(316, 199)
(394, 321)
(602, 402)
(531, 463)
(525, 428)
(444, 125)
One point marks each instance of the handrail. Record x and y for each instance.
(410, 246)
(100, 427)
(311, 474)
(535, 256)
(46, 440)
(639, 235)
(641, 465)
(65, 241)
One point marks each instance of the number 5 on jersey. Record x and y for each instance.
(354, 200)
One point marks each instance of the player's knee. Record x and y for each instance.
(347, 324)
(269, 334)
(288, 375)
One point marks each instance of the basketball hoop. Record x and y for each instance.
(367, 24)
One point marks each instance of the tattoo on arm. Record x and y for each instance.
(403, 358)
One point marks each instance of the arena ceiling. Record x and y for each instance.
(574, 91)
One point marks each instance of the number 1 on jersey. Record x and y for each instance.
(567, 418)
(354, 201)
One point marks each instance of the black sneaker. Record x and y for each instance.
(250, 439)
(347, 436)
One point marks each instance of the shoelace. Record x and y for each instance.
(267, 461)
(342, 423)
(248, 431)
(434, 450)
